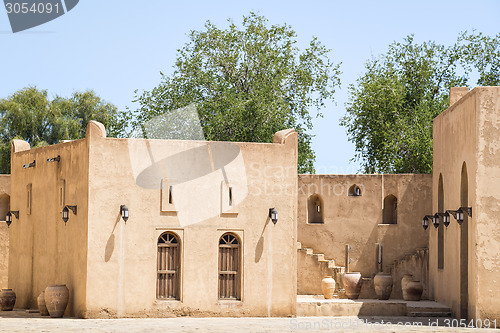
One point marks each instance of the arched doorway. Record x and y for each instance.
(464, 245)
(441, 225)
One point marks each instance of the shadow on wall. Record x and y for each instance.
(4, 206)
(110, 244)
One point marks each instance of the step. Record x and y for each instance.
(319, 256)
(427, 309)
(317, 305)
(429, 314)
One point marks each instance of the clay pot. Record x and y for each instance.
(7, 299)
(352, 284)
(383, 285)
(406, 278)
(328, 287)
(41, 304)
(56, 299)
(414, 290)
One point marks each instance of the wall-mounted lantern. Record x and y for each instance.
(435, 220)
(65, 212)
(459, 213)
(425, 223)
(446, 218)
(54, 159)
(124, 212)
(273, 215)
(29, 165)
(8, 217)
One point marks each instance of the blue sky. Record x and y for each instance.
(115, 47)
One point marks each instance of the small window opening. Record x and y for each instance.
(315, 209)
(390, 210)
(230, 196)
(354, 191)
(170, 195)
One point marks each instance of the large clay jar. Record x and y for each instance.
(406, 278)
(41, 304)
(328, 287)
(414, 290)
(56, 299)
(352, 284)
(7, 299)
(383, 285)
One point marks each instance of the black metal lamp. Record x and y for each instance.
(426, 220)
(273, 215)
(124, 212)
(8, 216)
(65, 212)
(54, 159)
(435, 220)
(467, 210)
(446, 218)
(425, 223)
(29, 165)
(459, 213)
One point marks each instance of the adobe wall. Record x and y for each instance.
(4, 231)
(357, 220)
(122, 257)
(467, 134)
(43, 250)
(487, 253)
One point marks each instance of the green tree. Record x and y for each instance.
(391, 106)
(481, 53)
(28, 114)
(246, 84)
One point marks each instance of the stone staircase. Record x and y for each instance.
(417, 264)
(312, 268)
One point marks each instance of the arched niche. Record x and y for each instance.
(315, 209)
(390, 210)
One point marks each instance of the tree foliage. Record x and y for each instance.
(391, 106)
(247, 83)
(29, 115)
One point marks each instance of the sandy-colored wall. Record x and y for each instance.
(468, 133)
(43, 250)
(456, 143)
(357, 221)
(122, 258)
(4, 231)
(487, 253)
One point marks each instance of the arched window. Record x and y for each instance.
(441, 225)
(464, 244)
(229, 267)
(354, 191)
(168, 268)
(315, 209)
(390, 210)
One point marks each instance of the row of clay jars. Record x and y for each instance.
(53, 300)
(7, 299)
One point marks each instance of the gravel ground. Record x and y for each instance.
(20, 321)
